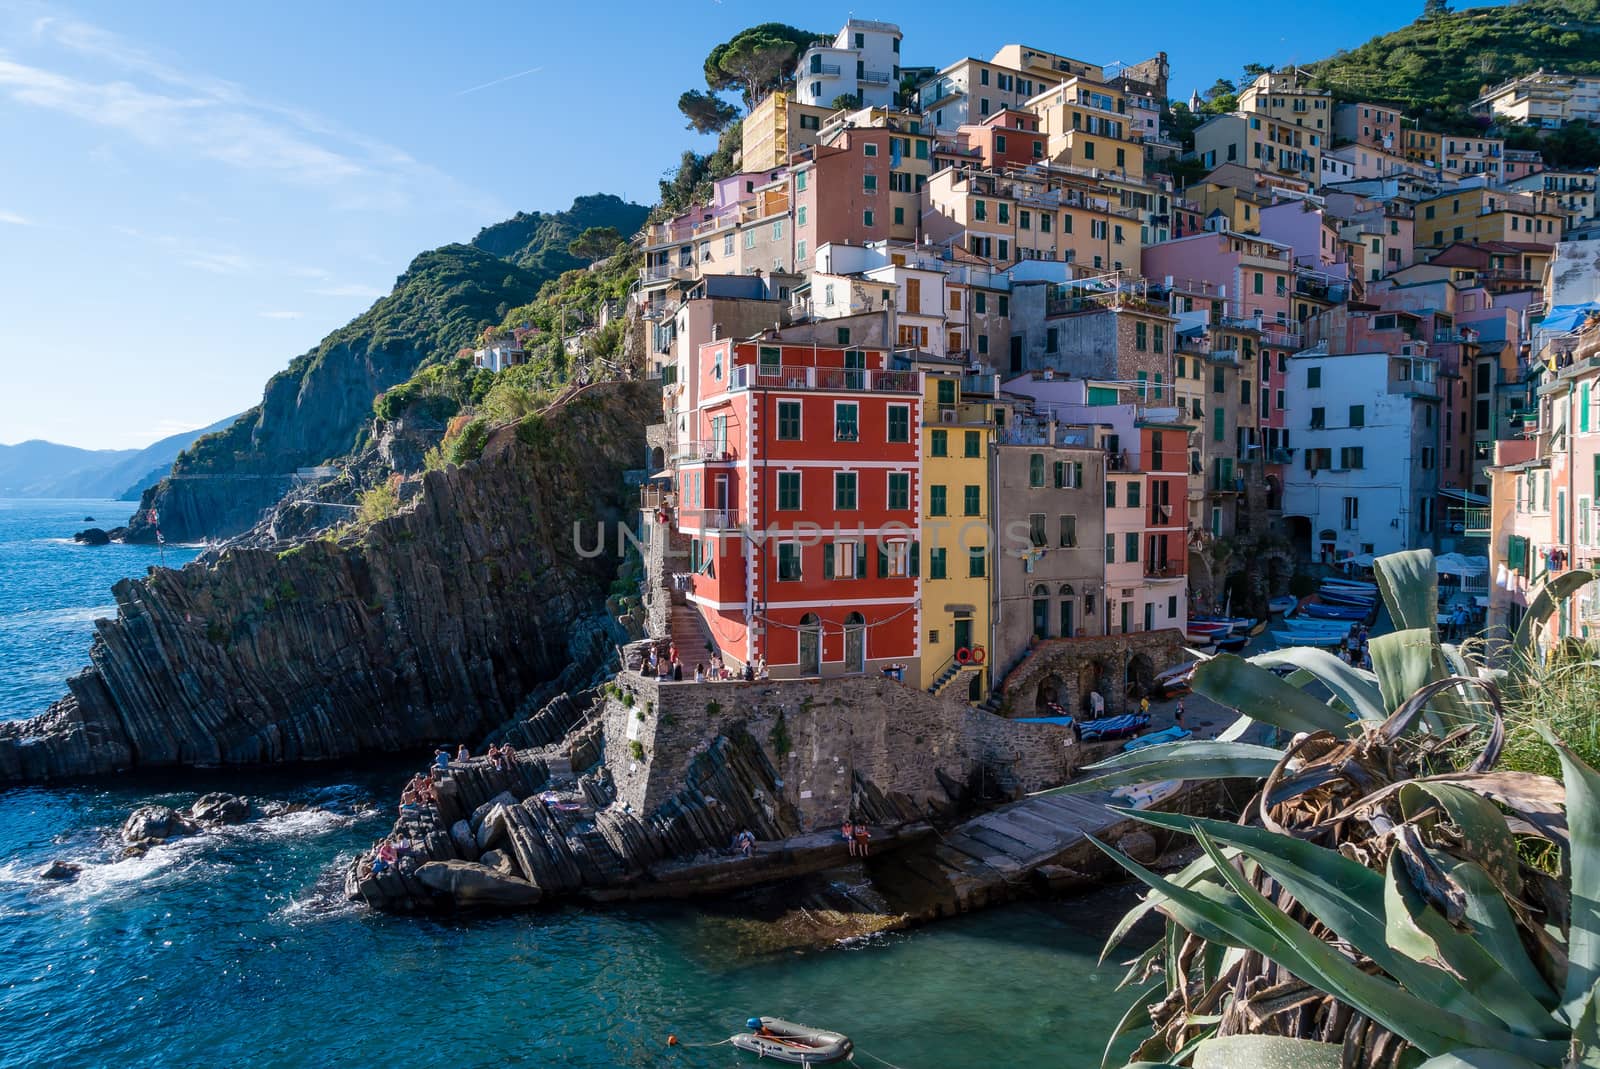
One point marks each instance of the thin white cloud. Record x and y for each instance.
(499, 81)
(352, 290)
(13, 219)
(126, 89)
(279, 315)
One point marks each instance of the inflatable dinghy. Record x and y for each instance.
(786, 1041)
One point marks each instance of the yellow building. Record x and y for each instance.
(1261, 143)
(957, 433)
(1478, 214)
(1087, 125)
(1286, 96)
(1423, 146)
(776, 127)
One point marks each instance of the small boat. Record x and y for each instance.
(1233, 623)
(797, 1044)
(1358, 584)
(1335, 597)
(1156, 738)
(1145, 795)
(1233, 643)
(1284, 604)
(1113, 727)
(1291, 638)
(1317, 611)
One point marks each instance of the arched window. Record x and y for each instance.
(811, 644)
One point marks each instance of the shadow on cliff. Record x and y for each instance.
(432, 625)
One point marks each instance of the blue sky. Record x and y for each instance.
(192, 194)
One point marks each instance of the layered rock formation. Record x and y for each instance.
(432, 625)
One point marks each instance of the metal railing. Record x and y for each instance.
(1473, 520)
(696, 449)
(755, 377)
(874, 77)
(1160, 569)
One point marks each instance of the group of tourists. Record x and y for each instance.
(857, 835)
(421, 789)
(1353, 647)
(670, 667)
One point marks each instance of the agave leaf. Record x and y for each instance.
(1350, 899)
(1138, 966)
(1583, 862)
(1536, 799)
(1266, 1052)
(1153, 1065)
(1176, 767)
(1220, 920)
(1543, 604)
(1410, 588)
(1494, 925)
(1586, 1033)
(1358, 689)
(1236, 683)
(1189, 876)
(1421, 1023)
(1403, 662)
(1483, 831)
(1136, 1016)
(1194, 749)
(1479, 1058)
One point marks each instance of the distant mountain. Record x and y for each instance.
(38, 469)
(314, 410)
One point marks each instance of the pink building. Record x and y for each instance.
(841, 193)
(1252, 276)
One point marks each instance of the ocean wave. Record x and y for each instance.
(68, 617)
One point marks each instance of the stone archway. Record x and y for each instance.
(1141, 675)
(658, 460)
(1051, 697)
(1088, 680)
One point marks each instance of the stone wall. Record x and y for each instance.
(821, 736)
(1069, 666)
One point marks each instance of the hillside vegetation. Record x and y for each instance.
(1436, 66)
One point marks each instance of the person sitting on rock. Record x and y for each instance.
(463, 754)
(848, 833)
(384, 858)
(747, 842)
(863, 838)
(441, 759)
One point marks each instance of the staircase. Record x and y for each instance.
(950, 675)
(688, 632)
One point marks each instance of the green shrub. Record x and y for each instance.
(378, 503)
(636, 749)
(779, 736)
(469, 444)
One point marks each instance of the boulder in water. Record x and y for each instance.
(92, 536)
(220, 808)
(151, 824)
(505, 798)
(500, 861)
(60, 870)
(471, 884)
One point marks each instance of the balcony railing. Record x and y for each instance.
(754, 377)
(874, 77)
(1160, 569)
(714, 451)
(656, 497)
(709, 519)
(1470, 521)
(824, 68)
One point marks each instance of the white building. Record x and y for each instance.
(1545, 98)
(1365, 472)
(863, 61)
(499, 356)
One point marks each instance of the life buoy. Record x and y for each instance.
(963, 656)
(978, 654)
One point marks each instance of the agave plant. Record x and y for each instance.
(1388, 897)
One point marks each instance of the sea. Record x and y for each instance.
(237, 949)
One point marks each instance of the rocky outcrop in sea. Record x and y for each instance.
(433, 625)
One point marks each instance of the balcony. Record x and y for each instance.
(656, 497)
(964, 413)
(1161, 569)
(1471, 522)
(875, 77)
(1283, 339)
(1159, 516)
(824, 68)
(712, 451)
(709, 519)
(833, 379)
(664, 273)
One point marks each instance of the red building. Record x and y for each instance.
(1164, 456)
(1008, 138)
(799, 495)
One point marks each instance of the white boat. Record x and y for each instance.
(1305, 638)
(785, 1041)
(1145, 795)
(1284, 604)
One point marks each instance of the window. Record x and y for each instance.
(971, 501)
(1130, 547)
(1218, 381)
(868, 149)
(846, 421)
(936, 564)
(1111, 494)
(788, 491)
(1358, 415)
(1352, 513)
(1069, 474)
(899, 490)
(1352, 456)
(869, 183)
(1160, 335)
(844, 560)
(1133, 495)
(894, 559)
(1036, 534)
(973, 444)
(1088, 149)
(1036, 469)
(1319, 418)
(980, 210)
(788, 562)
(867, 218)
(899, 216)
(1140, 337)
(1258, 282)
(936, 501)
(844, 490)
(1005, 305)
(939, 444)
(800, 181)
(899, 423)
(980, 303)
(1051, 340)
(1313, 377)
(800, 250)
(1005, 213)
(975, 562)
(1111, 549)
(789, 421)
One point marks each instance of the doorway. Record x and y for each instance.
(963, 632)
(811, 644)
(855, 643)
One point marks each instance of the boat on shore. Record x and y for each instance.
(1285, 604)
(797, 1044)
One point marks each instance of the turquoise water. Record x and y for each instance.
(235, 949)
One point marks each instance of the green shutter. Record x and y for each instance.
(883, 561)
(861, 560)
(827, 562)
(1583, 411)
(916, 558)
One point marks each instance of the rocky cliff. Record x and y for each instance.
(431, 625)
